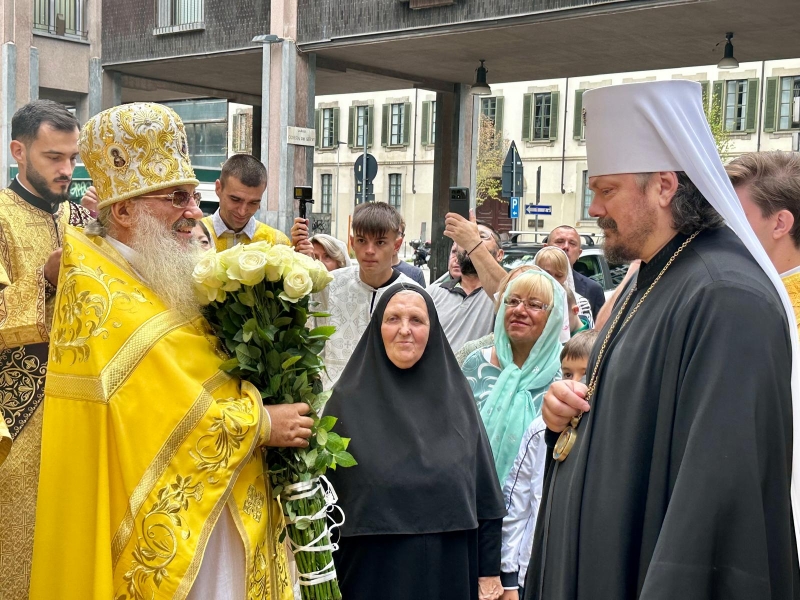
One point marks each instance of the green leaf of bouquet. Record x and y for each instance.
(320, 315)
(273, 360)
(324, 331)
(290, 361)
(229, 365)
(345, 459)
(246, 297)
(327, 422)
(239, 308)
(335, 443)
(346, 442)
(322, 437)
(311, 457)
(282, 321)
(276, 491)
(323, 460)
(302, 525)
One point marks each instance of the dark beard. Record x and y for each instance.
(466, 266)
(616, 253)
(39, 185)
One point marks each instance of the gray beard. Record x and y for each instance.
(165, 263)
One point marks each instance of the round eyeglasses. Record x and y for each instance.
(179, 198)
(533, 305)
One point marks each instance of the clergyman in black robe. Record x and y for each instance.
(423, 507)
(678, 486)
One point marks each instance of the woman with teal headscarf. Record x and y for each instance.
(509, 380)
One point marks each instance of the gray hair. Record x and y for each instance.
(332, 247)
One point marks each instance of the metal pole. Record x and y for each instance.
(514, 182)
(538, 190)
(364, 160)
(336, 231)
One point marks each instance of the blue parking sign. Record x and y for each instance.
(513, 207)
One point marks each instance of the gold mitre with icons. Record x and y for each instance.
(135, 149)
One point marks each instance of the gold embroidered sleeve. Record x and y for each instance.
(5, 441)
(22, 310)
(265, 428)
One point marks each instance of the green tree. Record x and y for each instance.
(492, 148)
(716, 120)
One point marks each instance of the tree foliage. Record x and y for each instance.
(715, 115)
(492, 149)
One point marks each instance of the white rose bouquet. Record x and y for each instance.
(257, 298)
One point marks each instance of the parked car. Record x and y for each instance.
(522, 248)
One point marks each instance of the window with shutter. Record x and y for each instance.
(318, 128)
(426, 123)
(498, 115)
(789, 103)
(433, 122)
(351, 127)
(527, 103)
(554, 98)
(577, 117)
(541, 116)
(751, 108)
(735, 105)
(385, 125)
(334, 141)
(370, 129)
(406, 123)
(770, 103)
(327, 193)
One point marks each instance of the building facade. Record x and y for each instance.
(759, 104)
(51, 50)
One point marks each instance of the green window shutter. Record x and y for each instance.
(318, 126)
(385, 125)
(370, 115)
(718, 99)
(498, 115)
(424, 137)
(577, 118)
(704, 93)
(554, 110)
(752, 105)
(351, 129)
(335, 127)
(406, 123)
(527, 102)
(771, 104)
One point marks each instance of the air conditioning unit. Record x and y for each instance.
(61, 25)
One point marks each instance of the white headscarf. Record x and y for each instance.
(336, 242)
(661, 126)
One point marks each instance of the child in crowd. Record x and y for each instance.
(577, 321)
(523, 492)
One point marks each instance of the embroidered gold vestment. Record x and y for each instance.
(792, 285)
(145, 441)
(28, 235)
(264, 233)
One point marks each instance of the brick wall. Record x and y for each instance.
(229, 25)
(325, 19)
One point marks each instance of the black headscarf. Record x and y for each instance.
(424, 461)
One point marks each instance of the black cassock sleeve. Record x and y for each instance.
(727, 530)
(490, 534)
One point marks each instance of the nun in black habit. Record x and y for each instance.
(423, 507)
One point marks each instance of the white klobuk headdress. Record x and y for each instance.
(661, 126)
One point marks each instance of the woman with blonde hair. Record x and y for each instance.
(556, 262)
(330, 251)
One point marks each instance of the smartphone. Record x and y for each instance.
(459, 203)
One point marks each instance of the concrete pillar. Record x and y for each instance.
(8, 102)
(311, 93)
(112, 89)
(33, 67)
(95, 99)
(445, 174)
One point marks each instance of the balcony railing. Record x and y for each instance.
(60, 17)
(179, 15)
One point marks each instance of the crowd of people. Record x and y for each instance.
(517, 435)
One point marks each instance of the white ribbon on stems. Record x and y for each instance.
(308, 489)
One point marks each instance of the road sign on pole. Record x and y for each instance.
(538, 209)
(372, 168)
(512, 174)
(513, 207)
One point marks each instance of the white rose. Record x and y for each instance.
(257, 247)
(251, 267)
(320, 277)
(280, 259)
(206, 271)
(206, 294)
(296, 284)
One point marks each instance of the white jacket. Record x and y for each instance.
(523, 495)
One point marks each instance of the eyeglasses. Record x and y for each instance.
(179, 198)
(533, 305)
(484, 235)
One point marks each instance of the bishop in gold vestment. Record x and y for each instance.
(153, 483)
(30, 231)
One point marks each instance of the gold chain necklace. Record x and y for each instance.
(567, 438)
